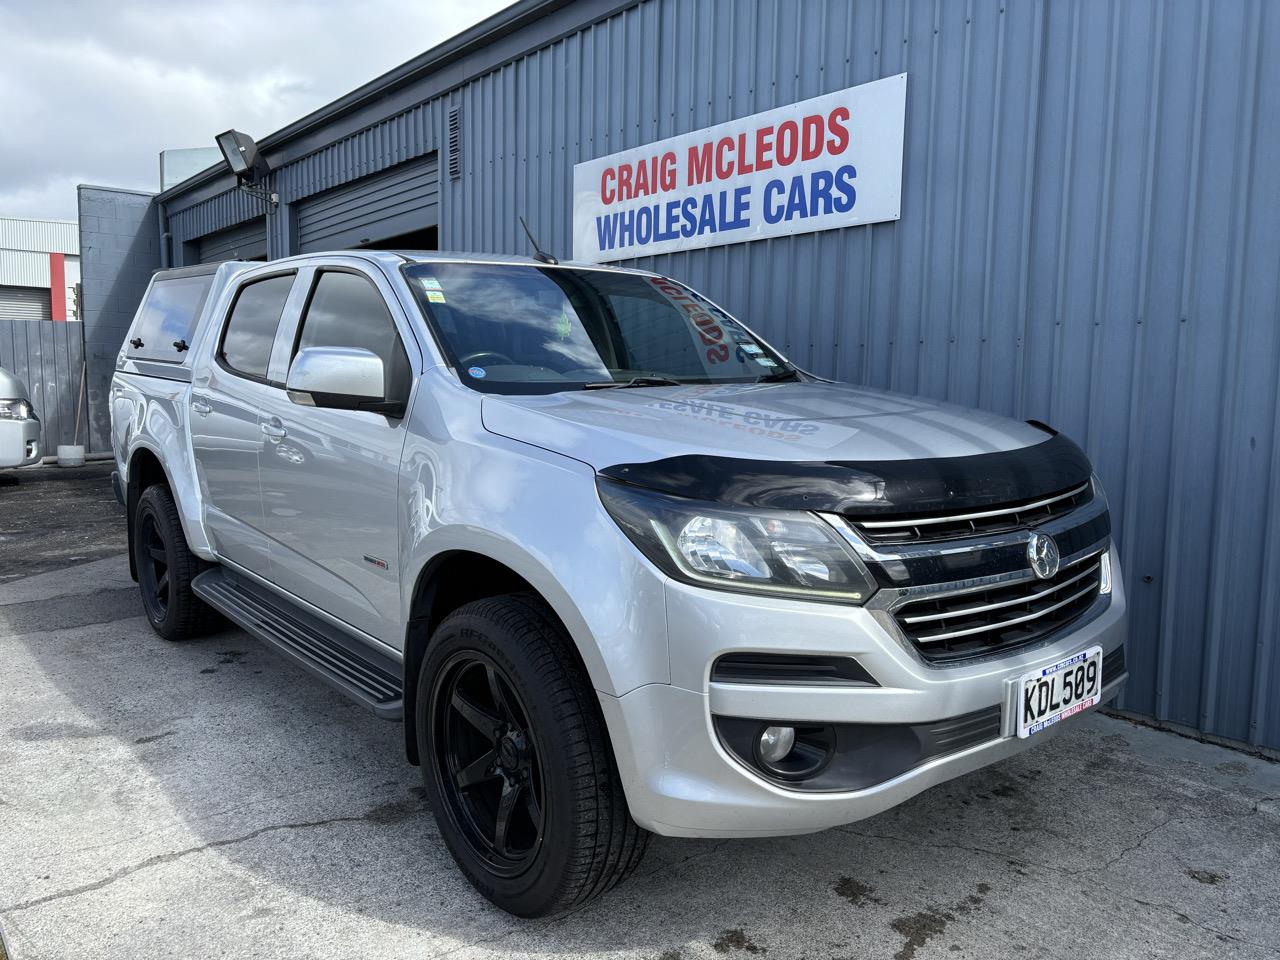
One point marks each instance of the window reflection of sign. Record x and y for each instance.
(707, 327)
(701, 404)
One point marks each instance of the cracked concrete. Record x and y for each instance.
(207, 800)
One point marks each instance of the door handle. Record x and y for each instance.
(202, 408)
(274, 432)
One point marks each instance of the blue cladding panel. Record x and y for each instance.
(387, 204)
(245, 241)
(1090, 236)
(218, 213)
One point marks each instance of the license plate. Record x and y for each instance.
(1058, 691)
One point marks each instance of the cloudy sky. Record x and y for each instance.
(92, 91)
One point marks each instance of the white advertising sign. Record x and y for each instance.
(833, 161)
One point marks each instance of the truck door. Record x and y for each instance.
(330, 478)
(227, 391)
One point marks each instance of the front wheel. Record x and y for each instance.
(517, 763)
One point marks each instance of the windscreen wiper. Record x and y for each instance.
(633, 382)
(778, 376)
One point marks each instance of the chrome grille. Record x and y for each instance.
(955, 626)
(925, 528)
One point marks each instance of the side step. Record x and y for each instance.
(352, 666)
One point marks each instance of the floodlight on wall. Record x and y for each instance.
(244, 160)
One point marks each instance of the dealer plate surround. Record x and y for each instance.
(1058, 691)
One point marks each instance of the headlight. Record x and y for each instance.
(783, 553)
(1098, 492)
(15, 410)
(1104, 578)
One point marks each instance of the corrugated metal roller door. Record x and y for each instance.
(244, 241)
(25, 303)
(401, 200)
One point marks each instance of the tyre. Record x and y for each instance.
(517, 763)
(166, 567)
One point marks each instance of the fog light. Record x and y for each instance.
(780, 750)
(776, 743)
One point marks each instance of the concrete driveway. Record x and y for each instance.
(54, 517)
(210, 800)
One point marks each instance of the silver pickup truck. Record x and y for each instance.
(616, 563)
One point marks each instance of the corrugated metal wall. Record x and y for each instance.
(397, 201)
(217, 213)
(24, 268)
(41, 236)
(25, 303)
(1090, 236)
(47, 357)
(246, 241)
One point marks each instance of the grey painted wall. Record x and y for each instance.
(119, 250)
(1090, 236)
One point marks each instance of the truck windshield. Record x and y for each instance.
(533, 329)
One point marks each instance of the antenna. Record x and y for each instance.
(538, 253)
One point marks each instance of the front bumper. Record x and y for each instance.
(681, 780)
(19, 442)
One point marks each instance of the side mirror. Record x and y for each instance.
(341, 378)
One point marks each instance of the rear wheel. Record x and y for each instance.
(166, 567)
(517, 763)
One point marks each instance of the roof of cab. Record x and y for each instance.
(196, 270)
(392, 259)
(444, 256)
(395, 258)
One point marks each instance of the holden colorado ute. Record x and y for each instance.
(618, 566)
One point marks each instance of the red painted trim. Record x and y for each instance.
(57, 286)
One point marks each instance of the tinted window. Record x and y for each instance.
(657, 338)
(251, 329)
(347, 310)
(169, 314)
(528, 329)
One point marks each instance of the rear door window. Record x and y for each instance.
(251, 328)
(168, 316)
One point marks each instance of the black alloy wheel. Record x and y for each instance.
(492, 773)
(153, 569)
(165, 567)
(516, 759)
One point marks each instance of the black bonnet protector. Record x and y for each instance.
(871, 488)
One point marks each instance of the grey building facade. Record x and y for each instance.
(1089, 236)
